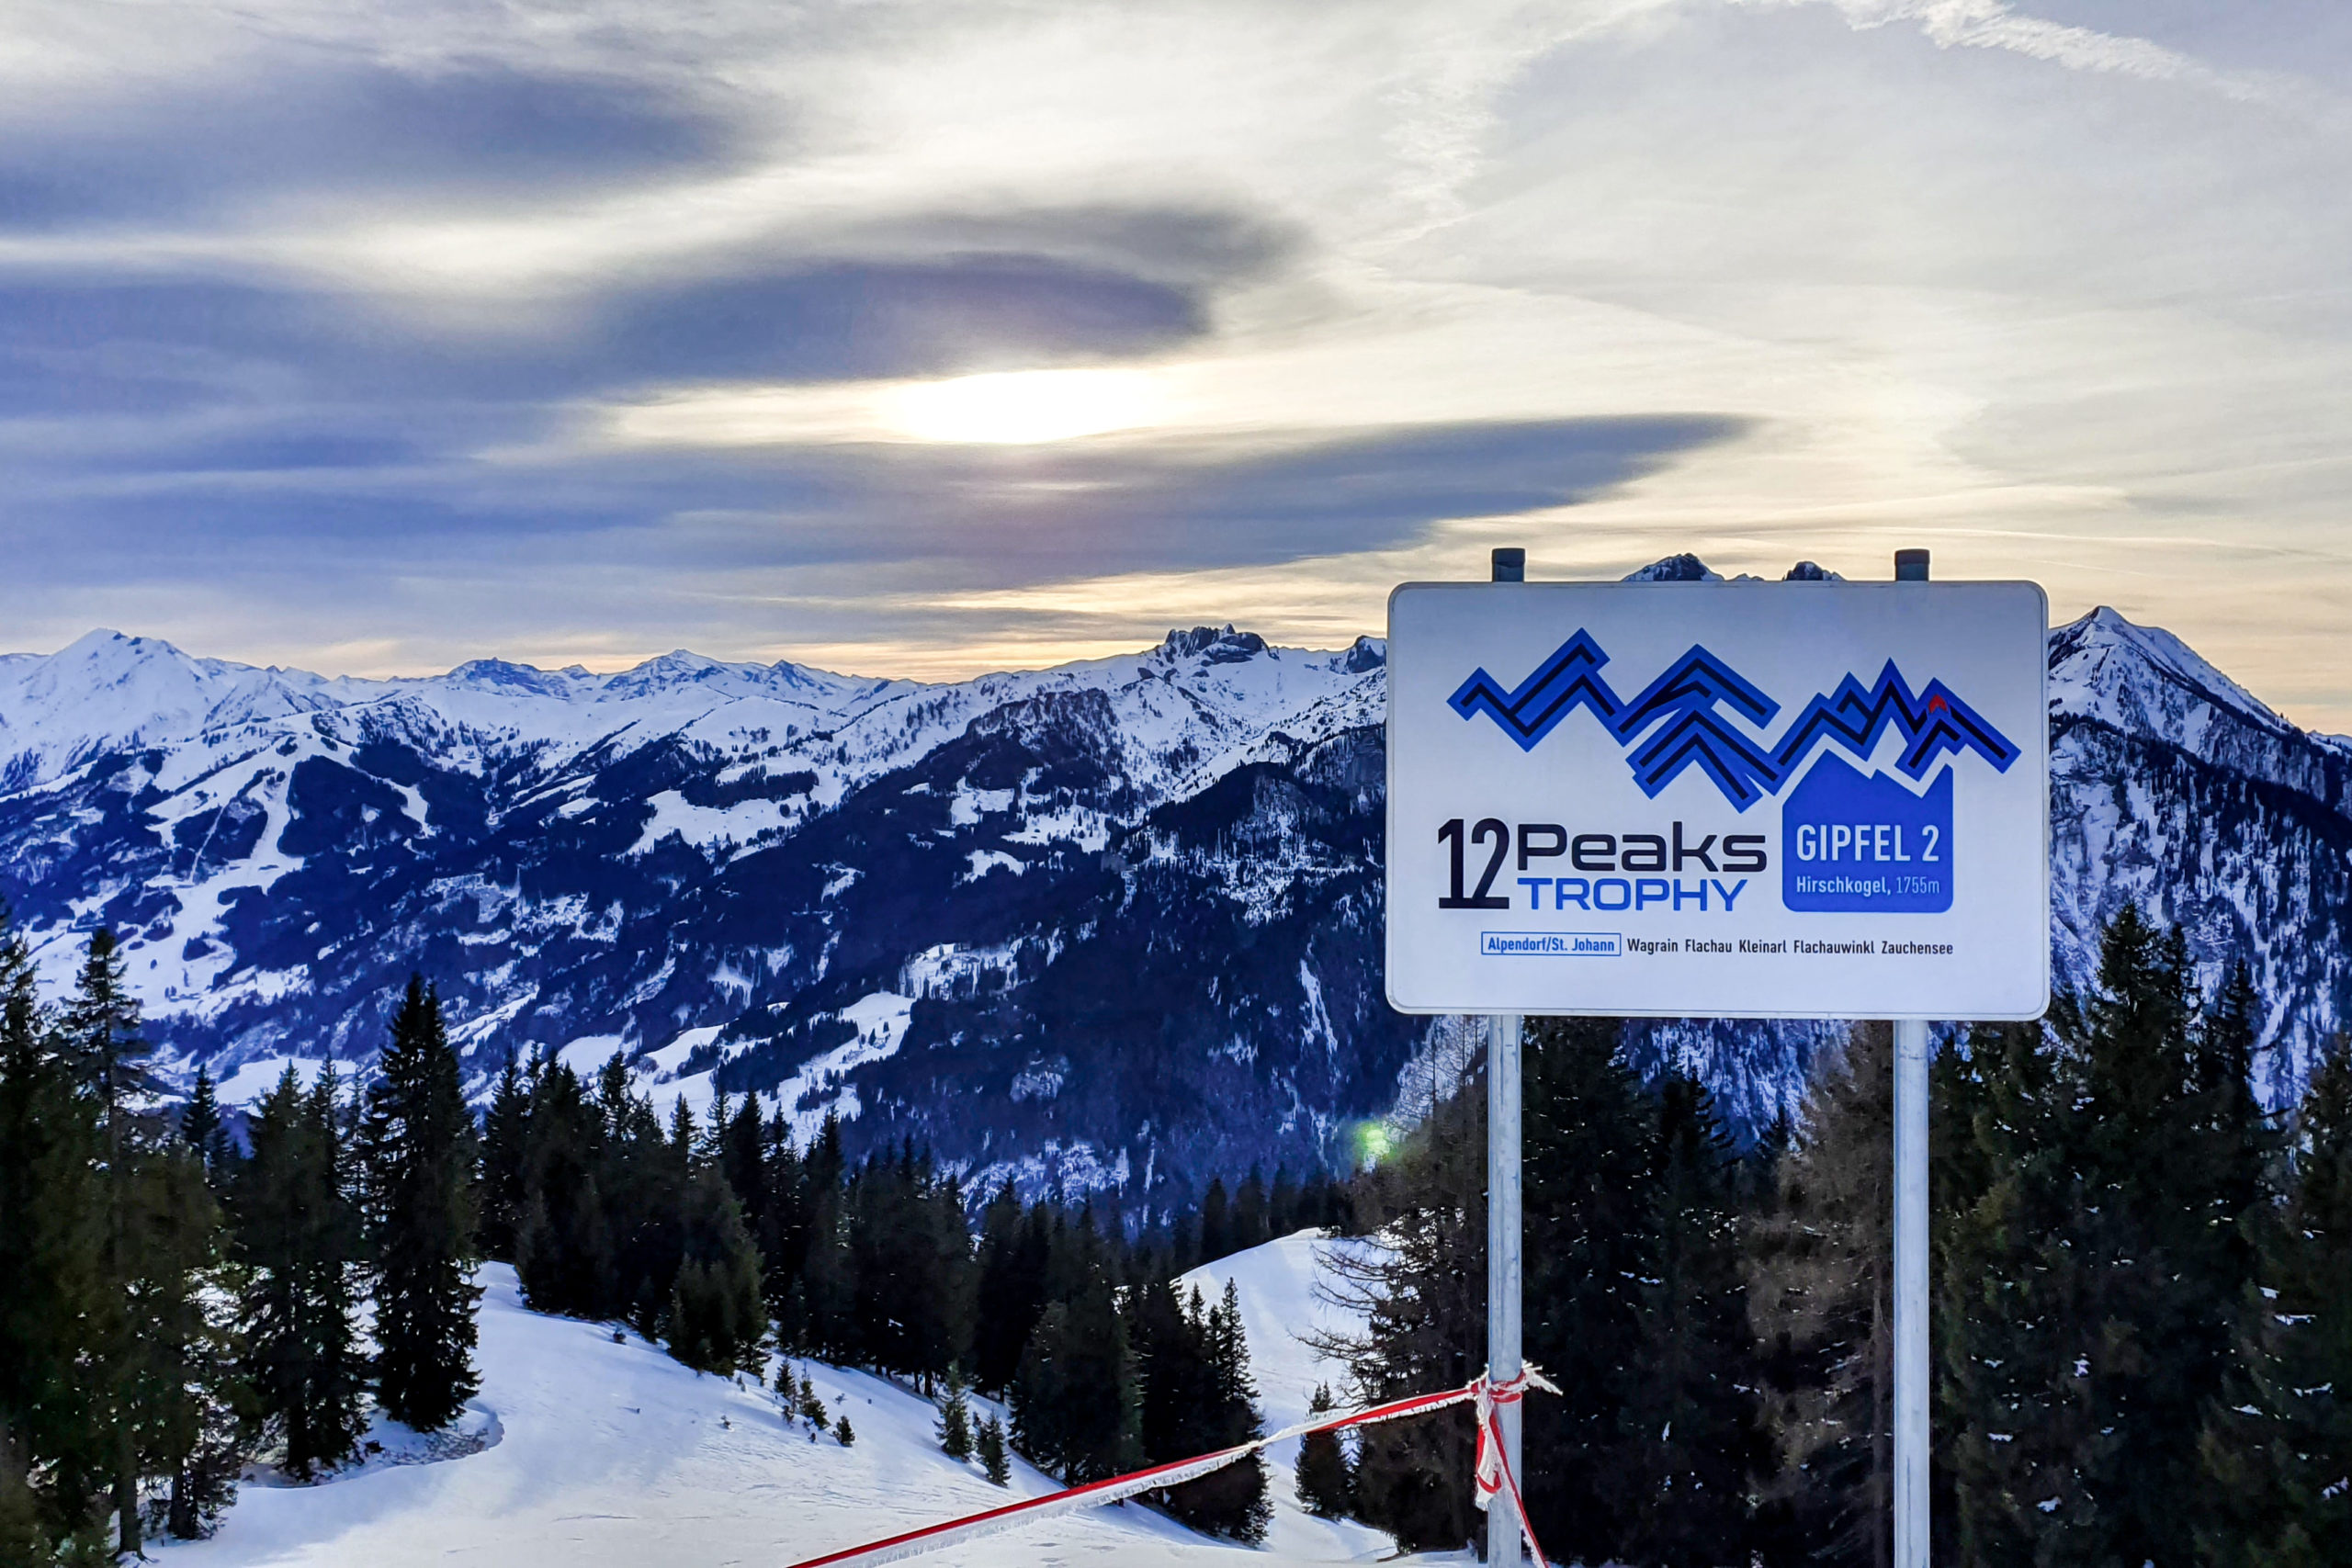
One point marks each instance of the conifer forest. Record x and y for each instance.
(2144, 1288)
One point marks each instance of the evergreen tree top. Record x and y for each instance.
(2323, 1147)
(200, 1117)
(102, 1024)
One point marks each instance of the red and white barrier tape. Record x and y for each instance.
(1491, 1469)
(1493, 1474)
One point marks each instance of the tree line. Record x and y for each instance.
(176, 1303)
(726, 1237)
(2142, 1308)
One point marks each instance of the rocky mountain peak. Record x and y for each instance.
(2105, 652)
(1675, 568)
(1218, 645)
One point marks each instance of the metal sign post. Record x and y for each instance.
(1910, 1284)
(1504, 1228)
(1503, 1237)
(1774, 800)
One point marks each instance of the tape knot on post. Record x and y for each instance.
(1491, 1468)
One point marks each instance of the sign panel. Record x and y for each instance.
(1719, 799)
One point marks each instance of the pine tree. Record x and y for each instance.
(911, 1266)
(563, 1246)
(300, 1236)
(827, 1288)
(2173, 1171)
(192, 1405)
(1074, 1400)
(781, 1229)
(718, 1318)
(2278, 1449)
(1233, 1501)
(505, 1134)
(202, 1129)
(994, 1462)
(2095, 1282)
(842, 1433)
(1589, 1135)
(1820, 1272)
(154, 1342)
(417, 1157)
(55, 1289)
(1183, 1241)
(1423, 1299)
(1325, 1481)
(1173, 1381)
(1692, 1424)
(646, 1182)
(2014, 1289)
(1252, 1226)
(1196, 1397)
(102, 1035)
(1216, 1223)
(1010, 1289)
(740, 1151)
(1281, 1203)
(101, 1030)
(112, 1331)
(945, 1325)
(955, 1419)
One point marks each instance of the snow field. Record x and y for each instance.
(590, 1452)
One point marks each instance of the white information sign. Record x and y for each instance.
(1719, 799)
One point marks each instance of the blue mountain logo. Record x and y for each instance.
(1678, 712)
(1934, 724)
(1699, 714)
(1567, 681)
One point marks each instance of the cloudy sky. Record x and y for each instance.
(926, 338)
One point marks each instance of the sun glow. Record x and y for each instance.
(1023, 406)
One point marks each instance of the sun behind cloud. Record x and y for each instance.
(1002, 408)
(1023, 406)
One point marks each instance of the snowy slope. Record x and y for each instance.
(614, 1456)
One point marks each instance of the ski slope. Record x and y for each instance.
(606, 1454)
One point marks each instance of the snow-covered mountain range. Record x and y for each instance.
(1112, 923)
